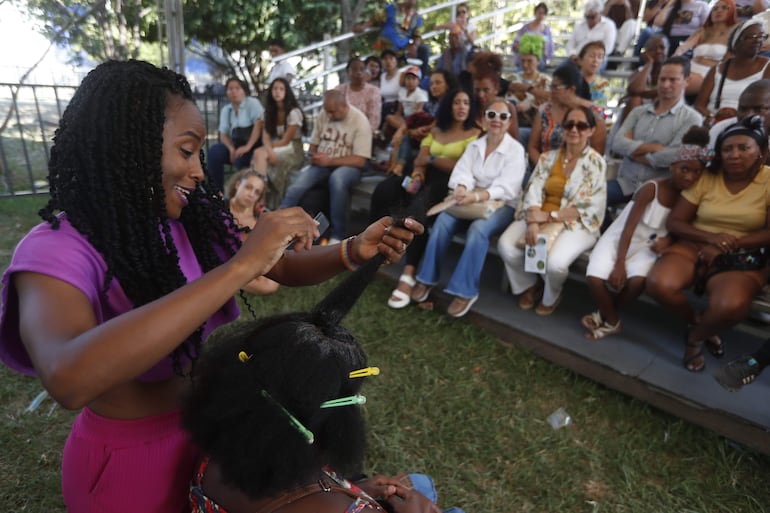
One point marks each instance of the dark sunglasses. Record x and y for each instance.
(582, 126)
(492, 114)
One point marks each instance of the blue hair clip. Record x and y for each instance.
(344, 401)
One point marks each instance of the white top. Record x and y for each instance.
(501, 174)
(410, 100)
(713, 51)
(604, 30)
(282, 69)
(732, 89)
(389, 88)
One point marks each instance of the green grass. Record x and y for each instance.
(460, 405)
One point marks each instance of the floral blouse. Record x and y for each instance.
(586, 188)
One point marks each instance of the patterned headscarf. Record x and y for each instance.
(693, 152)
(532, 44)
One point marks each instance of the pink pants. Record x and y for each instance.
(115, 466)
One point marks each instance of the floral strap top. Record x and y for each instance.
(330, 483)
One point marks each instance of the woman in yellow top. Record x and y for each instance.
(723, 229)
(568, 186)
(439, 152)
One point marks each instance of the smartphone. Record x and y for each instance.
(323, 225)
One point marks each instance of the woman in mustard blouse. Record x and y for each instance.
(439, 152)
(722, 226)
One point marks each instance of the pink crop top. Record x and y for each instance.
(66, 255)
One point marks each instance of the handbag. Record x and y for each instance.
(550, 230)
(478, 210)
(240, 135)
(738, 260)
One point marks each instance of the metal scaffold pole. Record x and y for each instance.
(175, 34)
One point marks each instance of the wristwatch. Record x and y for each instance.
(555, 215)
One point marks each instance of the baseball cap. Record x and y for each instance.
(413, 70)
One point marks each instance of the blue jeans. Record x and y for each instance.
(423, 483)
(216, 159)
(615, 194)
(341, 179)
(465, 279)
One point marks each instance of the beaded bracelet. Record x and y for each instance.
(346, 252)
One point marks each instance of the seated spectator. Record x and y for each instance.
(439, 152)
(399, 28)
(275, 409)
(390, 84)
(462, 25)
(622, 15)
(625, 252)
(590, 60)
(454, 58)
(281, 69)
(567, 187)
(536, 27)
(410, 100)
(491, 168)
(721, 226)
(643, 84)
(373, 70)
(530, 88)
(360, 94)
(747, 9)
(679, 19)
(407, 139)
(340, 146)
(281, 154)
(240, 127)
(488, 85)
(709, 43)
(245, 198)
(718, 98)
(650, 136)
(594, 27)
(754, 101)
(568, 89)
(485, 63)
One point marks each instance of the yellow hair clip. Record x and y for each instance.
(366, 371)
(243, 357)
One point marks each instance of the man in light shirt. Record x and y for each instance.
(281, 69)
(594, 27)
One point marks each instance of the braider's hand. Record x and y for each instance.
(406, 500)
(268, 240)
(380, 486)
(385, 237)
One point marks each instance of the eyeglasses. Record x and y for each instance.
(582, 126)
(492, 114)
(591, 16)
(556, 87)
(755, 37)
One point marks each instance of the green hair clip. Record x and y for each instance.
(292, 419)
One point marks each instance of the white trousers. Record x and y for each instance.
(568, 247)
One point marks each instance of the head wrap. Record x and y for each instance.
(532, 44)
(751, 126)
(693, 152)
(739, 30)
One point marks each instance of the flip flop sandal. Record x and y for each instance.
(398, 298)
(605, 329)
(419, 298)
(592, 321)
(688, 360)
(715, 346)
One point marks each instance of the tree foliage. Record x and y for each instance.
(242, 29)
(101, 30)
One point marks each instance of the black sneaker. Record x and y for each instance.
(737, 373)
